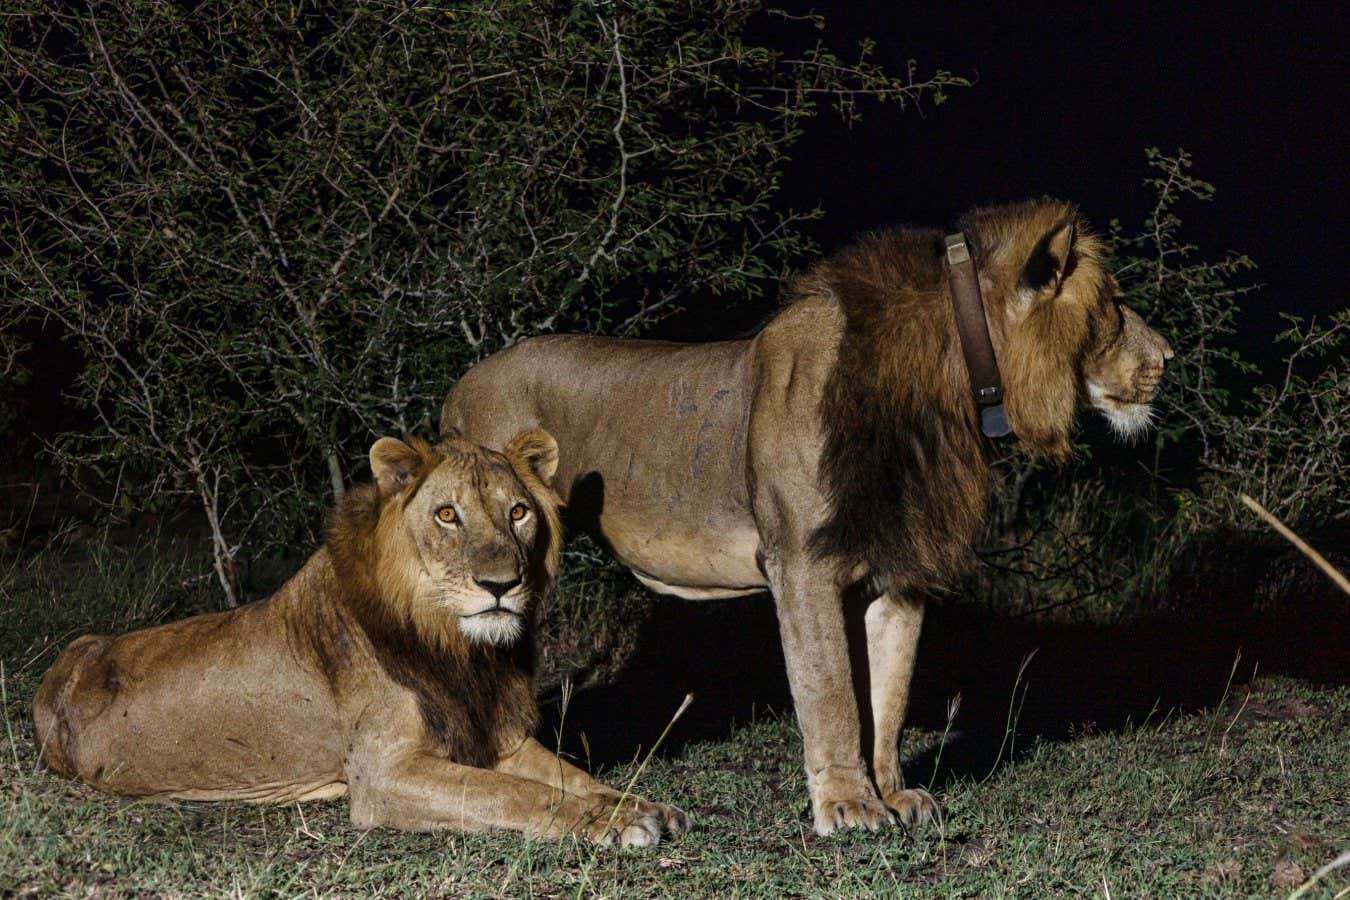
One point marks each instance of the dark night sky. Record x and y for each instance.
(1066, 101)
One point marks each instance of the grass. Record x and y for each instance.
(1248, 797)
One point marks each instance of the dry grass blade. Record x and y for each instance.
(1341, 581)
(1338, 862)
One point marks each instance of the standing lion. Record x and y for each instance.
(390, 668)
(837, 450)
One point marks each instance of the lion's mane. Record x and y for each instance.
(900, 424)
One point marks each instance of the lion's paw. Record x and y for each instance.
(634, 822)
(675, 820)
(857, 812)
(912, 806)
(624, 828)
(832, 814)
(843, 797)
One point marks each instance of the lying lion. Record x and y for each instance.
(391, 667)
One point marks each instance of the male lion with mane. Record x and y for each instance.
(391, 668)
(837, 451)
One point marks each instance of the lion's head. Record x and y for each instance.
(898, 411)
(1124, 369)
(464, 539)
(1067, 340)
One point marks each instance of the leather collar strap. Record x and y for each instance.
(974, 330)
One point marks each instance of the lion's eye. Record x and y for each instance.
(446, 515)
(519, 512)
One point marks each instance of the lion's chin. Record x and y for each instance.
(497, 627)
(1128, 421)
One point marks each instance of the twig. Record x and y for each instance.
(624, 157)
(1014, 709)
(1338, 862)
(953, 706)
(1283, 530)
(9, 730)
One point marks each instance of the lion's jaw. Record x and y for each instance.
(479, 616)
(497, 627)
(1128, 420)
(1123, 378)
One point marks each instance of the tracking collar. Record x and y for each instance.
(974, 330)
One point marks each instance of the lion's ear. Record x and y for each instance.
(1049, 261)
(394, 464)
(534, 451)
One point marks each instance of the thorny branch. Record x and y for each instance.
(274, 239)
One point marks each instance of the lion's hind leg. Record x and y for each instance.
(80, 686)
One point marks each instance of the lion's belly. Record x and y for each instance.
(675, 509)
(279, 751)
(651, 445)
(695, 564)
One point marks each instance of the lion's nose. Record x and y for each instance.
(497, 589)
(1167, 349)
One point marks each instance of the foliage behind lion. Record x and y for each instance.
(390, 668)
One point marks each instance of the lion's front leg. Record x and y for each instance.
(815, 649)
(531, 759)
(893, 628)
(421, 792)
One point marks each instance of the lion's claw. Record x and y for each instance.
(912, 806)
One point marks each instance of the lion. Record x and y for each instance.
(835, 453)
(392, 668)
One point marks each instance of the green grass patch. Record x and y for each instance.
(1247, 798)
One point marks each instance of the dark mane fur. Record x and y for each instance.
(468, 694)
(900, 435)
(903, 463)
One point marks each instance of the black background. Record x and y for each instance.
(1065, 102)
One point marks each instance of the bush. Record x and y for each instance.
(275, 230)
(1096, 539)
(12, 378)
